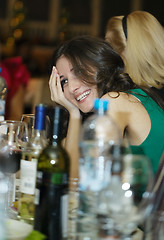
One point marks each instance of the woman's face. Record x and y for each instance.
(79, 93)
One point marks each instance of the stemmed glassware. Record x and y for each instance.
(30, 120)
(13, 138)
(124, 204)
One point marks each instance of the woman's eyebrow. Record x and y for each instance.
(62, 76)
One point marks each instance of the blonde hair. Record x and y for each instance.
(143, 50)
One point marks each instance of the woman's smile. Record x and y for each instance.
(75, 90)
(83, 96)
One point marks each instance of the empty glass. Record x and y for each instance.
(154, 227)
(29, 119)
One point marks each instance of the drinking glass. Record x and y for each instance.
(13, 138)
(154, 227)
(124, 204)
(30, 120)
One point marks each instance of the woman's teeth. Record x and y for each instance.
(83, 95)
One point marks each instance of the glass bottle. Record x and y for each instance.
(28, 166)
(51, 200)
(99, 137)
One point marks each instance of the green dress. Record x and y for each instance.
(153, 146)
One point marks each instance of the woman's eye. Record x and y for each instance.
(63, 82)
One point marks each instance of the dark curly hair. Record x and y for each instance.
(96, 62)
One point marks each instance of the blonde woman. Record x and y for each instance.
(139, 39)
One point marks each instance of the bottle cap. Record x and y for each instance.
(40, 112)
(101, 103)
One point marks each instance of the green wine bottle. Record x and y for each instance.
(51, 199)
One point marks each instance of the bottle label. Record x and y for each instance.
(37, 196)
(49, 178)
(54, 178)
(17, 188)
(28, 176)
(2, 107)
(64, 213)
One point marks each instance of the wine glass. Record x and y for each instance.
(30, 120)
(13, 138)
(124, 204)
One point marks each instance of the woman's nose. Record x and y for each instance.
(73, 84)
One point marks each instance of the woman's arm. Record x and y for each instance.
(72, 142)
(72, 138)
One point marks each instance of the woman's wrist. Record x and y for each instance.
(75, 113)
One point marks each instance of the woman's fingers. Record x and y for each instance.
(58, 84)
(52, 83)
(55, 86)
(57, 94)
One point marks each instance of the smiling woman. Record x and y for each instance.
(74, 88)
(89, 68)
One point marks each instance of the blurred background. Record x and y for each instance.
(33, 28)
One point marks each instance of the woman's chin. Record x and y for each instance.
(86, 110)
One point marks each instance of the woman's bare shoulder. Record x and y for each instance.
(121, 100)
(124, 107)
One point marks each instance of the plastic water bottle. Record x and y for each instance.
(99, 136)
(3, 92)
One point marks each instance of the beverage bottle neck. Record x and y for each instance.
(100, 107)
(100, 111)
(40, 121)
(54, 141)
(40, 116)
(40, 133)
(56, 126)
